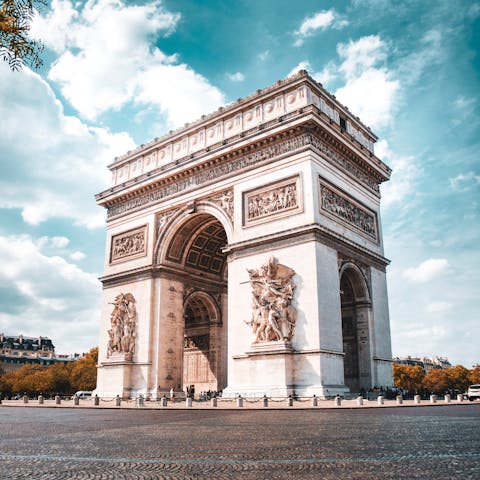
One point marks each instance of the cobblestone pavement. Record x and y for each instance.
(431, 442)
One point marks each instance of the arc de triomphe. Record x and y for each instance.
(244, 253)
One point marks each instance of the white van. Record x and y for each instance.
(83, 395)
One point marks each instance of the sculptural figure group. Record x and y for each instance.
(123, 324)
(273, 316)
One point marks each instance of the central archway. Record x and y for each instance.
(194, 255)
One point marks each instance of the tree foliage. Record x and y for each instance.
(16, 47)
(475, 375)
(456, 378)
(84, 371)
(408, 377)
(59, 378)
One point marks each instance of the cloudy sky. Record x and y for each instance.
(117, 74)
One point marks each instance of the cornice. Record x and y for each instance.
(304, 234)
(295, 139)
(301, 77)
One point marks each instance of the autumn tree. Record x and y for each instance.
(408, 377)
(459, 378)
(16, 47)
(59, 379)
(475, 375)
(84, 371)
(30, 379)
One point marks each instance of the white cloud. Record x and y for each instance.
(60, 160)
(361, 55)
(77, 256)
(64, 308)
(439, 307)
(236, 77)
(106, 60)
(370, 90)
(464, 109)
(427, 270)
(371, 96)
(303, 65)
(405, 174)
(318, 21)
(262, 56)
(465, 181)
(327, 74)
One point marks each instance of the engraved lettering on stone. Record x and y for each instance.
(273, 316)
(225, 201)
(123, 324)
(132, 243)
(272, 201)
(342, 208)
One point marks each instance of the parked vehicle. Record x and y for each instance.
(83, 395)
(473, 392)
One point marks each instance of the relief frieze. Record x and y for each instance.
(225, 201)
(270, 201)
(129, 245)
(244, 162)
(348, 211)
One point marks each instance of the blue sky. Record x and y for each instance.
(118, 74)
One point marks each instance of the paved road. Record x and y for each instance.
(400, 443)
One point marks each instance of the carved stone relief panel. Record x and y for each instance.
(129, 245)
(350, 212)
(163, 218)
(225, 201)
(123, 326)
(273, 316)
(272, 201)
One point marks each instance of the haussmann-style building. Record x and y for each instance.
(244, 254)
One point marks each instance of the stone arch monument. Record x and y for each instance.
(244, 254)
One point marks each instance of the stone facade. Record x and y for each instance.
(250, 242)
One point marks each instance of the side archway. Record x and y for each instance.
(356, 332)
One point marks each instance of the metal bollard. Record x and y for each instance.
(141, 401)
(213, 402)
(25, 399)
(290, 401)
(164, 401)
(399, 400)
(447, 398)
(188, 402)
(314, 401)
(240, 401)
(118, 401)
(460, 397)
(96, 400)
(76, 401)
(381, 400)
(417, 399)
(359, 400)
(265, 401)
(433, 399)
(58, 400)
(338, 401)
